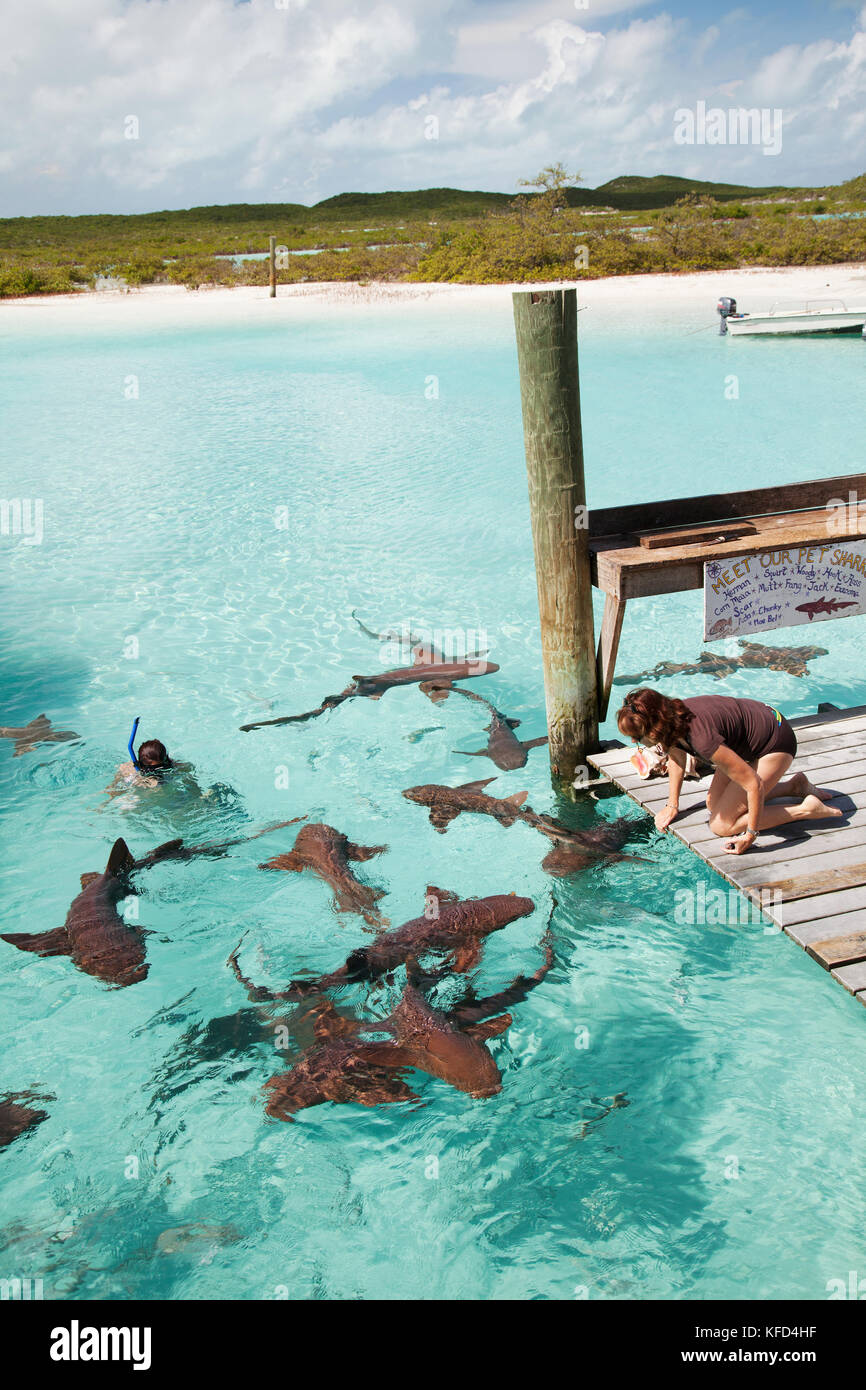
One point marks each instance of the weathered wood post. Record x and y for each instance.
(545, 323)
(272, 256)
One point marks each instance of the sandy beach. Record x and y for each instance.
(687, 298)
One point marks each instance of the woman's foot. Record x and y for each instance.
(801, 786)
(814, 807)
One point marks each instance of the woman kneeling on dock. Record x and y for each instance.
(751, 746)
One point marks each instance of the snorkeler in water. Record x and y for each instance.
(146, 768)
(172, 784)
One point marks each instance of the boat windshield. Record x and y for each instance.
(808, 306)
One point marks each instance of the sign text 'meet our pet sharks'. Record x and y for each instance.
(784, 588)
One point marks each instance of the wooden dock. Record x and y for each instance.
(811, 882)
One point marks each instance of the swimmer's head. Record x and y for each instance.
(153, 755)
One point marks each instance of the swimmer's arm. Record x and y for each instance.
(676, 775)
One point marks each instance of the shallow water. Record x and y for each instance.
(165, 588)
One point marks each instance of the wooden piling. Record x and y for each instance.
(545, 324)
(272, 257)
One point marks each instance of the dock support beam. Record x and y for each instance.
(545, 323)
(608, 646)
(272, 260)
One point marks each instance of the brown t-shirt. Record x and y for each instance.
(745, 726)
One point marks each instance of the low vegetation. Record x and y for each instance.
(555, 230)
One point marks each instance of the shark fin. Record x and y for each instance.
(466, 956)
(39, 720)
(490, 1028)
(43, 943)
(436, 690)
(441, 817)
(512, 723)
(292, 862)
(472, 753)
(87, 879)
(516, 798)
(476, 786)
(534, 742)
(442, 894)
(120, 861)
(361, 852)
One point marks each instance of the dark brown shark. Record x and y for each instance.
(94, 935)
(327, 852)
(351, 1062)
(449, 927)
(586, 846)
(504, 748)
(753, 656)
(15, 1118)
(39, 730)
(434, 677)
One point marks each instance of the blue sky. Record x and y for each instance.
(131, 105)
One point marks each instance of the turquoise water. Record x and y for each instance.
(734, 1052)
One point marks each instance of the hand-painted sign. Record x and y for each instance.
(784, 588)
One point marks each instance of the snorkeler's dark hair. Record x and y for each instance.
(152, 753)
(651, 718)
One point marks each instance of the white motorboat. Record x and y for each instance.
(801, 316)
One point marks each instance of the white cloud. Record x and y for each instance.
(250, 101)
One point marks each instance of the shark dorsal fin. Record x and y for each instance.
(120, 861)
(40, 719)
(442, 894)
(87, 879)
(516, 798)
(476, 786)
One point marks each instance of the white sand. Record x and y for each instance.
(688, 298)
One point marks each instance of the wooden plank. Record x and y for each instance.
(841, 924)
(723, 506)
(847, 870)
(814, 845)
(704, 535)
(623, 567)
(608, 646)
(852, 977)
(826, 905)
(828, 716)
(839, 950)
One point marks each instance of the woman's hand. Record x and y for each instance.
(665, 816)
(740, 844)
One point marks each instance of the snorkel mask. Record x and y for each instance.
(147, 769)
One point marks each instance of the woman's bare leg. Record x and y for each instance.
(729, 816)
(800, 786)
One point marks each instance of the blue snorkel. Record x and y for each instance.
(135, 763)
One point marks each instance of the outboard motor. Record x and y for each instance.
(726, 307)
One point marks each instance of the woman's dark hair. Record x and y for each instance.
(152, 753)
(651, 718)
